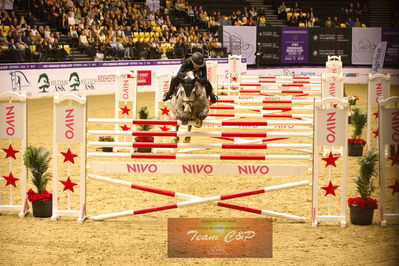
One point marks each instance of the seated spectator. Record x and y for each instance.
(357, 23)
(336, 23)
(328, 23)
(297, 8)
(350, 23)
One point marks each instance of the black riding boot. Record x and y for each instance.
(173, 85)
(209, 92)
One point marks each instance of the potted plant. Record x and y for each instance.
(362, 208)
(106, 139)
(144, 114)
(356, 143)
(37, 160)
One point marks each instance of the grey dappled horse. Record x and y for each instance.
(189, 104)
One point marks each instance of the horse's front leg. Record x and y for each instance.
(201, 116)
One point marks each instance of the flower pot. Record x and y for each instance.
(393, 150)
(362, 216)
(107, 149)
(42, 209)
(355, 149)
(144, 149)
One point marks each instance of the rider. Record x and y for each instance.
(194, 63)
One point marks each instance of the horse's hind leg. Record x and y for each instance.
(187, 139)
(176, 139)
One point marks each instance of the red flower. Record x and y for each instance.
(360, 203)
(144, 139)
(44, 196)
(356, 141)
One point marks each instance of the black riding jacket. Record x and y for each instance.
(187, 66)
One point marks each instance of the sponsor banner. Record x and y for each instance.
(45, 79)
(269, 45)
(353, 75)
(390, 135)
(378, 57)
(11, 120)
(144, 78)
(364, 42)
(220, 238)
(326, 42)
(70, 124)
(178, 168)
(294, 45)
(240, 41)
(391, 36)
(331, 127)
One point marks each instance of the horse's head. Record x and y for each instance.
(188, 95)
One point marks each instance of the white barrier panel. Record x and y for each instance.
(332, 85)
(378, 89)
(234, 68)
(69, 129)
(388, 123)
(163, 79)
(212, 72)
(330, 130)
(13, 123)
(334, 65)
(329, 136)
(12, 120)
(185, 168)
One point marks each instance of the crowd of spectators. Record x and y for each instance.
(354, 15)
(109, 29)
(22, 40)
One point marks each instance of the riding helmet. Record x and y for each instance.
(197, 59)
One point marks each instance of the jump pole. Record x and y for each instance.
(191, 199)
(177, 156)
(13, 126)
(201, 134)
(206, 122)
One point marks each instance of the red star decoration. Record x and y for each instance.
(125, 128)
(165, 111)
(164, 128)
(10, 180)
(68, 184)
(335, 106)
(234, 78)
(69, 156)
(394, 187)
(125, 110)
(330, 189)
(395, 159)
(376, 132)
(330, 160)
(10, 152)
(376, 115)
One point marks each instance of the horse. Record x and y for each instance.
(189, 103)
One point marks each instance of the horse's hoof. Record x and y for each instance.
(175, 140)
(198, 123)
(184, 122)
(187, 140)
